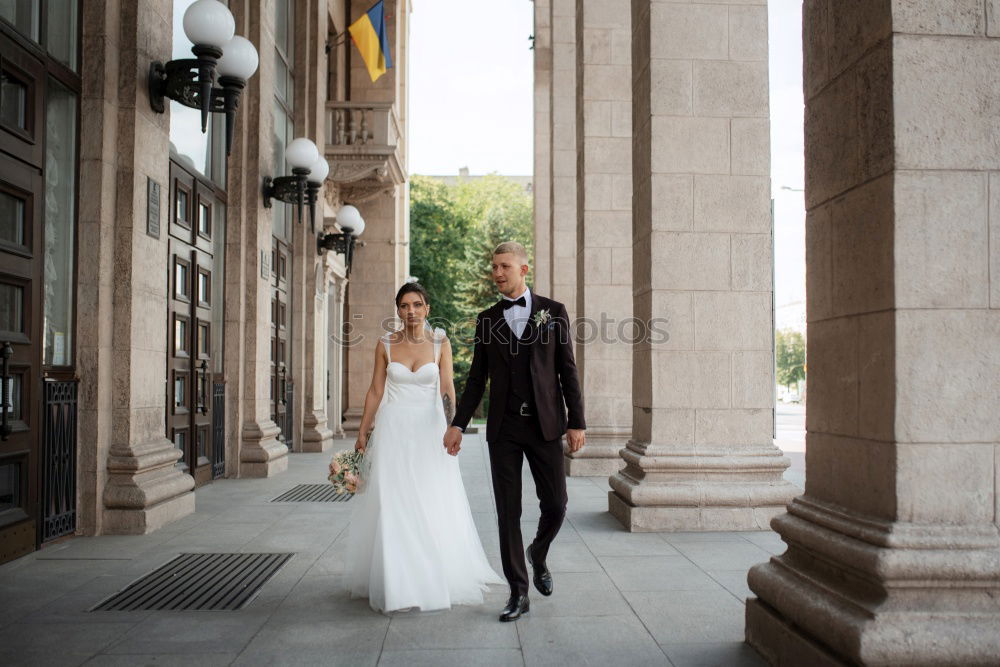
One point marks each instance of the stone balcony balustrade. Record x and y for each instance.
(363, 147)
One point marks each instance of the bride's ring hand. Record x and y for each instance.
(359, 446)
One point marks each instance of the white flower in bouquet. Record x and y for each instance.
(345, 472)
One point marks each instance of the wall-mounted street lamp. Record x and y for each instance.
(351, 225)
(210, 26)
(302, 155)
(317, 174)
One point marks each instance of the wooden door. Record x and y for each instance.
(190, 306)
(282, 382)
(22, 82)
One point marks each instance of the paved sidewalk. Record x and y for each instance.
(620, 598)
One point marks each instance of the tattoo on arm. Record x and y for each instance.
(449, 408)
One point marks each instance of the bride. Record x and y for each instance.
(411, 540)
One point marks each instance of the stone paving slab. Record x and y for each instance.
(621, 598)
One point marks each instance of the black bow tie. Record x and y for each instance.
(510, 303)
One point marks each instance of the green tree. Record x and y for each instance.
(790, 356)
(453, 230)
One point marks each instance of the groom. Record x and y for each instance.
(523, 347)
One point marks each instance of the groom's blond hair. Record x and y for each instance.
(513, 248)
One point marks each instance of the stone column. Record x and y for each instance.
(701, 455)
(337, 285)
(541, 280)
(261, 453)
(602, 226)
(143, 489)
(374, 281)
(380, 265)
(893, 552)
(308, 271)
(562, 150)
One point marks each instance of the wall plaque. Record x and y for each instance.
(153, 208)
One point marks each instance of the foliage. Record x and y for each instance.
(790, 356)
(453, 230)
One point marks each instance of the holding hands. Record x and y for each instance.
(453, 440)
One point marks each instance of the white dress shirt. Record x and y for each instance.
(517, 316)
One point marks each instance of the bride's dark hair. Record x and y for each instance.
(412, 287)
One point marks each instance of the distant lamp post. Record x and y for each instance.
(351, 225)
(317, 174)
(301, 154)
(210, 26)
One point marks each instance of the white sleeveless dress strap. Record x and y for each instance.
(385, 342)
(438, 339)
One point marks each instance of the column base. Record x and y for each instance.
(690, 519)
(316, 437)
(352, 423)
(145, 491)
(699, 488)
(262, 454)
(599, 457)
(780, 643)
(867, 591)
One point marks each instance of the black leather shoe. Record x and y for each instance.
(516, 606)
(542, 577)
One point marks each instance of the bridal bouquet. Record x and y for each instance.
(345, 471)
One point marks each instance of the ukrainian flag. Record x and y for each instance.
(370, 36)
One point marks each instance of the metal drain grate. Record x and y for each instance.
(198, 581)
(312, 493)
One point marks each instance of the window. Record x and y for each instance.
(10, 486)
(60, 214)
(182, 279)
(59, 36)
(11, 308)
(13, 221)
(24, 15)
(13, 102)
(204, 153)
(284, 96)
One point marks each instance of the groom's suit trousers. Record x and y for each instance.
(521, 438)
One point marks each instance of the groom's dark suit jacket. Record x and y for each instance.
(554, 380)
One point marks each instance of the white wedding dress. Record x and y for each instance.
(412, 542)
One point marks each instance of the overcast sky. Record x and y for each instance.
(471, 105)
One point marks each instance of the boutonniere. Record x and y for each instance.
(543, 319)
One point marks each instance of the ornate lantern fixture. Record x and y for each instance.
(352, 225)
(301, 154)
(191, 81)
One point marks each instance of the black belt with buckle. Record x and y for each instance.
(525, 410)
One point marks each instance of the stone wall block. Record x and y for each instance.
(733, 427)
(994, 240)
(942, 240)
(945, 484)
(671, 87)
(946, 102)
(858, 475)
(947, 17)
(672, 202)
(732, 204)
(753, 380)
(708, 379)
(750, 146)
(690, 145)
(948, 376)
(730, 88)
(862, 245)
(752, 257)
(690, 31)
(748, 33)
(733, 321)
(832, 350)
(691, 261)
(876, 376)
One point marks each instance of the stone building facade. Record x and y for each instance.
(893, 547)
(168, 327)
